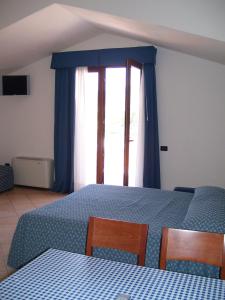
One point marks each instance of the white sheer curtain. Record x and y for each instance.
(140, 139)
(85, 131)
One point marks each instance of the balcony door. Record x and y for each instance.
(117, 118)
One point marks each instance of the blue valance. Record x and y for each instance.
(103, 57)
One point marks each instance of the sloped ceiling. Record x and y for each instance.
(57, 27)
(48, 30)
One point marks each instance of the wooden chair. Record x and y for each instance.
(196, 246)
(107, 233)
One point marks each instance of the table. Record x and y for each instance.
(63, 275)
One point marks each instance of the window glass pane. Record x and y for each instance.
(134, 118)
(114, 125)
(91, 118)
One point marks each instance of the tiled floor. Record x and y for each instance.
(13, 204)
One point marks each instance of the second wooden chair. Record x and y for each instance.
(196, 246)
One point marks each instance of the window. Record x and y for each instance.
(113, 118)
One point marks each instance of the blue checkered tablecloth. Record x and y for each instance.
(68, 276)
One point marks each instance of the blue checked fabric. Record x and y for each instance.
(61, 275)
(6, 178)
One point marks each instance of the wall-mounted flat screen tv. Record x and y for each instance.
(15, 85)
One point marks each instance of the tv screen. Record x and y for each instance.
(14, 85)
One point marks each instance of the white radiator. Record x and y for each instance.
(35, 172)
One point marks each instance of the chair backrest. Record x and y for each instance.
(196, 246)
(126, 236)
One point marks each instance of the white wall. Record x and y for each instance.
(106, 41)
(26, 122)
(191, 107)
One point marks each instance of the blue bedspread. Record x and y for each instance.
(63, 224)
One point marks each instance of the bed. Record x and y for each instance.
(63, 224)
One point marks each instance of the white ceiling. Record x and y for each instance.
(57, 27)
(48, 30)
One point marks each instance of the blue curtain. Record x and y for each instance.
(64, 130)
(151, 176)
(65, 64)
